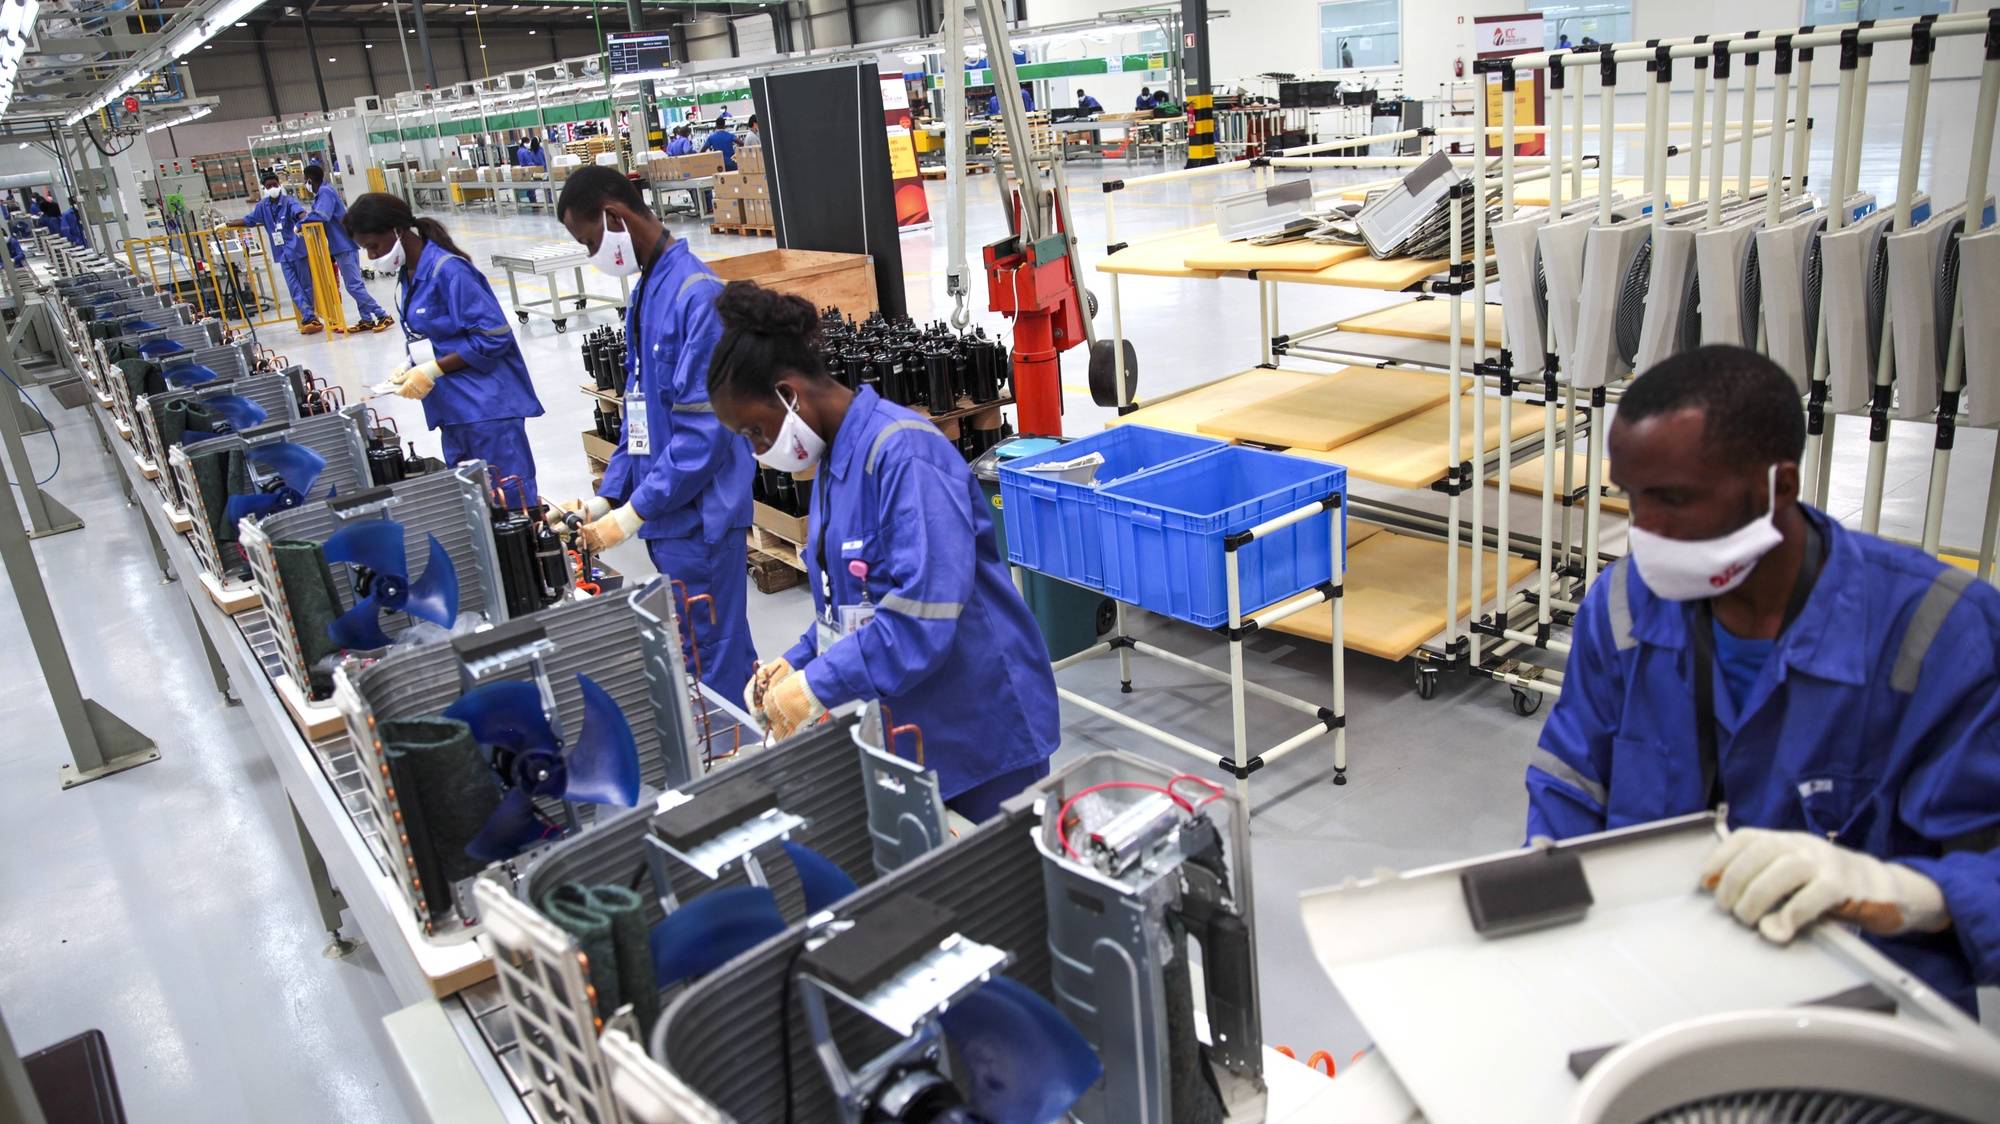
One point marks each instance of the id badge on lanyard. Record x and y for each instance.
(845, 620)
(638, 439)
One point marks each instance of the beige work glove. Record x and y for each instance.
(418, 380)
(1782, 881)
(791, 706)
(603, 534)
(761, 678)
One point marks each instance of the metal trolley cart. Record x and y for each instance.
(548, 261)
(1218, 536)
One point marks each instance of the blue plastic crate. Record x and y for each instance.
(1053, 525)
(1165, 531)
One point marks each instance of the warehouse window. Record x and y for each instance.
(1819, 12)
(1584, 21)
(1360, 33)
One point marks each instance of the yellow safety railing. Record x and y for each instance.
(226, 273)
(326, 288)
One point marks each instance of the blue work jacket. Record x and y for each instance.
(695, 483)
(72, 227)
(720, 139)
(330, 209)
(1874, 723)
(952, 647)
(446, 300)
(680, 146)
(280, 219)
(531, 158)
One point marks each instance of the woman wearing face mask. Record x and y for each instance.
(677, 479)
(475, 390)
(913, 603)
(280, 214)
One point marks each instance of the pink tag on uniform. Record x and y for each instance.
(858, 568)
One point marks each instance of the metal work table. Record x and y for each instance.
(699, 192)
(452, 1035)
(548, 260)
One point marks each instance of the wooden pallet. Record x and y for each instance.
(763, 541)
(753, 231)
(970, 170)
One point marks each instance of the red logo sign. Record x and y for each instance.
(131, 104)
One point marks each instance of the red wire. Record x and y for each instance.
(1062, 815)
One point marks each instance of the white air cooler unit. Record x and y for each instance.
(1979, 287)
(1789, 271)
(1855, 280)
(1610, 279)
(1727, 276)
(1923, 286)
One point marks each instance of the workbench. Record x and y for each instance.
(700, 192)
(548, 261)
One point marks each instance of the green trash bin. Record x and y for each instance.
(1071, 617)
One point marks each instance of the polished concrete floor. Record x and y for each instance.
(169, 907)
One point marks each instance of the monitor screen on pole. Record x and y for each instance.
(635, 52)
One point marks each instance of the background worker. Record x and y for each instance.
(753, 133)
(475, 389)
(682, 143)
(330, 210)
(722, 139)
(280, 214)
(530, 153)
(72, 224)
(1851, 719)
(913, 602)
(677, 479)
(1087, 103)
(1145, 99)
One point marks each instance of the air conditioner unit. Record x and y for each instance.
(1559, 280)
(1979, 288)
(1727, 275)
(270, 128)
(1855, 277)
(1788, 270)
(1609, 280)
(1670, 317)
(369, 104)
(409, 99)
(1923, 287)
(1524, 308)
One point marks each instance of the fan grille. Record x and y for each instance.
(1814, 268)
(1798, 1106)
(1946, 293)
(1632, 291)
(1751, 295)
(1689, 332)
(1878, 295)
(1541, 286)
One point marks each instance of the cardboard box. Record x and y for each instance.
(693, 167)
(728, 212)
(791, 528)
(756, 212)
(749, 160)
(754, 185)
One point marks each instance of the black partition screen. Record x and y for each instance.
(827, 147)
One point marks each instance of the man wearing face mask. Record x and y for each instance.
(280, 214)
(677, 479)
(1840, 693)
(914, 603)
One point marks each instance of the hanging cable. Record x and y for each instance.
(57, 444)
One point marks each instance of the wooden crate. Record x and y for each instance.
(771, 574)
(827, 279)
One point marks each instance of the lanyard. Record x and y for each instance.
(632, 340)
(1702, 636)
(825, 517)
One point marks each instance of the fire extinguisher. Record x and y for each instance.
(1458, 68)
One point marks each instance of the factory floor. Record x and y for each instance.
(169, 905)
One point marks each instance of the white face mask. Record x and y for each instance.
(615, 255)
(796, 448)
(1692, 570)
(271, 193)
(391, 262)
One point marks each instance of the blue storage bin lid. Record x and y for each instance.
(1025, 447)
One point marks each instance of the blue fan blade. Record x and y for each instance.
(238, 411)
(823, 882)
(98, 302)
(191, 374)
(506, 713)
(132, 327)
(297, 465)
(359, 628)
(156, 349)
(376, 544)
(712, 930)
(1022, 1061)
(604, 766)
(512, 828)
(193, 435)
(434, 596)
(256, 503)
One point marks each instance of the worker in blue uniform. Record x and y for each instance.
(1087, 103)
(280, 214)
(331, 211)
(722, 139)
(913, 602)
(475, 389)
(1851, 719)
(14, 251)
(682, 142)
(677, 479)
(529, 155)
(72, 224)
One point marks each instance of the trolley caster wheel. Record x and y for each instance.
(521, 316)
(1427, 682)
(562, 326)
(1107, 616)
(582, 303)
(1526, 702)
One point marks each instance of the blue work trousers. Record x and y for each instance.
(503, 444)
(981, 802)
(349, 265)
(298, 278)
(725, 650)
